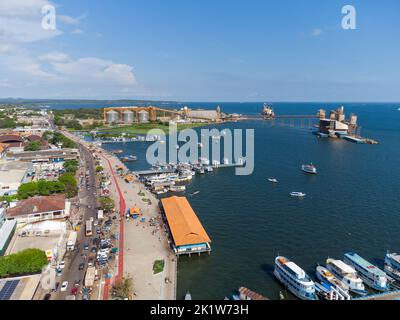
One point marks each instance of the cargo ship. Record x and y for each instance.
(267, 112)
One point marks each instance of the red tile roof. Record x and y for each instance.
(38, 205)
(10, 138)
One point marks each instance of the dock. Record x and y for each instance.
(391, 295)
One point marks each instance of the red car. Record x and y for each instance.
(74, 291)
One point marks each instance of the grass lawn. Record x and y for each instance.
(145, 127)
(158, 266)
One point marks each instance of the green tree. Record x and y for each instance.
(99, 169)
(71, 166)
(107, 203)
(29, 261)
(71, 186)
(33, 146)
(123, 289)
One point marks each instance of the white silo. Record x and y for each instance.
(128, 116)
(112, 116)
(143, 116)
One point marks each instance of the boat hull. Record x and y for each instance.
(291, 289)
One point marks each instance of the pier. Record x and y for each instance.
(391, 295)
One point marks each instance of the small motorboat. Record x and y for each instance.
(273, 180)
(188, 296)
(298, 194)
(309, 168)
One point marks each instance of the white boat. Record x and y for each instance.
(294, 279)
(163, 191)
(370, 274)
(347, 275)
(273, 180)
(298, 194)
(325, 276)
(392, 265)
(309, 168)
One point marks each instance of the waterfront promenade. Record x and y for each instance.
(140, 244)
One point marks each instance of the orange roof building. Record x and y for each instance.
(186, 230)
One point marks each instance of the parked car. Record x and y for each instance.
(61, 265)
(81, 266)
(64, 286)
(86, 246)
(74, 291)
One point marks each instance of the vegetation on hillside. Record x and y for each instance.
(58, 138)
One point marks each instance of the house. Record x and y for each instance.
(40, 209)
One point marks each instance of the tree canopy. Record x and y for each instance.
(29, 261)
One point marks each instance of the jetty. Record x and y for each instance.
(391, 295)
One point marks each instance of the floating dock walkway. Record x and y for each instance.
(391, 295)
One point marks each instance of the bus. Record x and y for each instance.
(89, 231)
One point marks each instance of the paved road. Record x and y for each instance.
(88, 201)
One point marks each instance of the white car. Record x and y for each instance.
(61, 265)
(64, 286)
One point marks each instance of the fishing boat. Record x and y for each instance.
(347, 275)
(370, 274)
(162, 191)
(188, 296)
(117, 151)
(298, 194)
(392, 265)
(267, 112)
(177, 188)
(309, 168)
(294, 279)
(273, 180)
(325, 276)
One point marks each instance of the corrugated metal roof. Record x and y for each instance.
(183, 222)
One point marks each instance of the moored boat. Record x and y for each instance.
(347, 275)
(325, 276)
(294, 279)
(188, 296)
(392, 265)
(370, 274)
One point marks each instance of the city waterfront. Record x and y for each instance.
(351, 204)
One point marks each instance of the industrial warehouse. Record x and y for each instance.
(187, 232)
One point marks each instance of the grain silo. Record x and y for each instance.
(143, 116)
(128, 116)
(112, 116)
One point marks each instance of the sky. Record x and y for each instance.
(201, 50)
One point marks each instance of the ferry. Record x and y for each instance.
(294, 279)
(325, 276)
(347, 275)
(372, 275)
(309, 168)
(392, 265)
(298, 194)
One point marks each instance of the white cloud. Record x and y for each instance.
(68, 20)
(316, 32)
(54, 57)
(77, 31)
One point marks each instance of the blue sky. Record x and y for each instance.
(290, 50)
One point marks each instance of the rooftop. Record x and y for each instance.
(38, 205)
(13, 171)
(183, 222)
(342, 266)
(21, 288)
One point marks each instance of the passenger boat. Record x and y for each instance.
(309, 168)
(325, 276)
(273, 180)
(298, 194)
(347, 275)
(177, 188)
(294, 279)
(162, 191)
(370, 274)
(392, 265)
